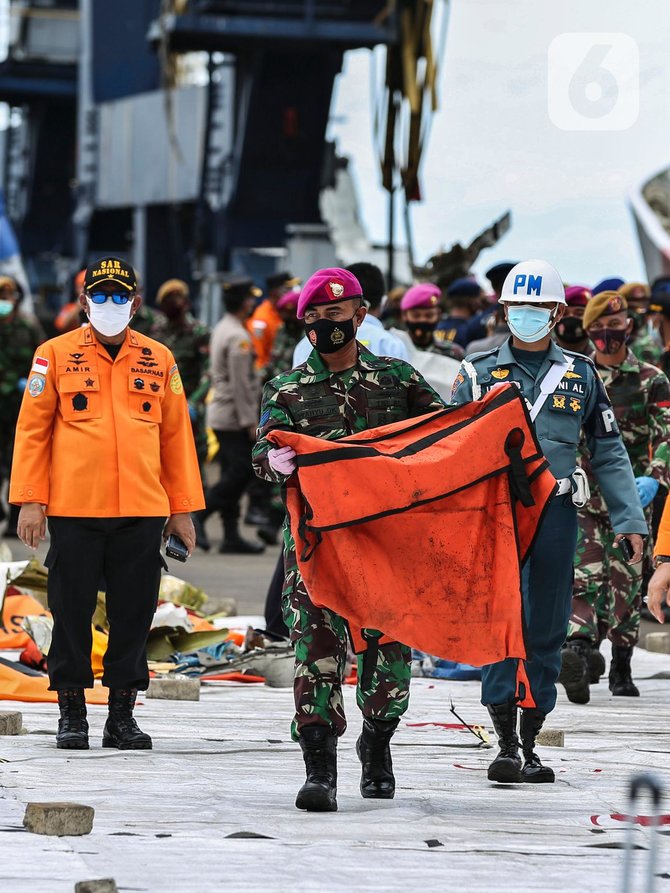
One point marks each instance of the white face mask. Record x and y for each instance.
(109, 318)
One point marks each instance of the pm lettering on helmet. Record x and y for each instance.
(531, 283)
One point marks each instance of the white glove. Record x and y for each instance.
(281, 460)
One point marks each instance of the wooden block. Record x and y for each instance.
(658, 642)
(551, 738)
(175, 688)
(11, 722)
(103, 885)
(59, 819)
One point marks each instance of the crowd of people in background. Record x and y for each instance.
(624, 327)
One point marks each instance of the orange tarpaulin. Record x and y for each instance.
(419, 529)
(17, 605)
(18, 686)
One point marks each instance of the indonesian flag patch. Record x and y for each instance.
(40, 365)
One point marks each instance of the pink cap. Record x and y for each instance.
(577, 296)
(328, 287)
(290, 299)
(426, 295)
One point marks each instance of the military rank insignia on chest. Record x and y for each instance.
(500, 374)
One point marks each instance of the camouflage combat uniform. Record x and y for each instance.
(189, 344)
(281, 359)
(19, 339)
(607, 591)
(646, 347)
(312, 400)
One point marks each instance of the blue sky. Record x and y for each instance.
(493, 145)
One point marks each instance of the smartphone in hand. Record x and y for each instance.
(176, 548)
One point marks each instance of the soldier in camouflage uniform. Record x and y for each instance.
(19, 339)
(645, 344)
(607, 592)
(188, 339)
(341, 389)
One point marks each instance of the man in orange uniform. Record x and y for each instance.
(104, 449)
(266, 320)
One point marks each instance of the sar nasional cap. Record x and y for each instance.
(110, 269)
(328, 286)
(424, 296)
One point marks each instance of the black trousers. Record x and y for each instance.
(236, 472)
(122, 557)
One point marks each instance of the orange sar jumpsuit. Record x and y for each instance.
(104, 442)
(263, 325)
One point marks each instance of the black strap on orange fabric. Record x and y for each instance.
(519, 483)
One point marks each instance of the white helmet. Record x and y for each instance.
(532, 282)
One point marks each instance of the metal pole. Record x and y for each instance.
(391, 246)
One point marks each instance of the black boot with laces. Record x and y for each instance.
(72, 725)
(121, 730)
(533, 771)
(374, 751)
(506, 768)
(319, 749)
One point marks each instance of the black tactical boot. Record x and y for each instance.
(621, 681)
(574, 673)
(533, 771)
(506, 767)
(319, 750)
(72, 725)
(596, 664)
(236, 545)
(374, 751)
(121, 730)
(201, 538)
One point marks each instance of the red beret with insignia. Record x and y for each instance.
(328, 287)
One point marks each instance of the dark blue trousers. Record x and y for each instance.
(547, 579)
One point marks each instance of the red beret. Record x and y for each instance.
(426, 295)
(328, 287)
(290, 299)
(577, 296)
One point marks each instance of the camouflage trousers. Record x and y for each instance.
(320, 639)
(607, 595)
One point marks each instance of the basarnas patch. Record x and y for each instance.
(36, 385)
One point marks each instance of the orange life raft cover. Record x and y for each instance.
(419, 529)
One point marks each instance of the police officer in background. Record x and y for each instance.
(104, 450)
(341, 389)
(233, 413)
(565, 397)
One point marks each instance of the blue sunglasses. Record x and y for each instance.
(99, 297)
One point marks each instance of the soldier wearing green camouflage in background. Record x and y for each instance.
(607, 592)
(645, 344)
(188, 339)
(19, 339)
(341, 389)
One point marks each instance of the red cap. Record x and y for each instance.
(426, 296)
(290, 299)
(328, 286)
(577, 296)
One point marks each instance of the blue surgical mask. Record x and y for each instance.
(6, 307)
(529, 323)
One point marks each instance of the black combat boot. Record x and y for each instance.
(574, 673)
(121, 730)
(506, 767)
(72, 725)
(374, 751)
(319, 749)
(596, 664)
(621, 681)
(533, 771)
(201, 538)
